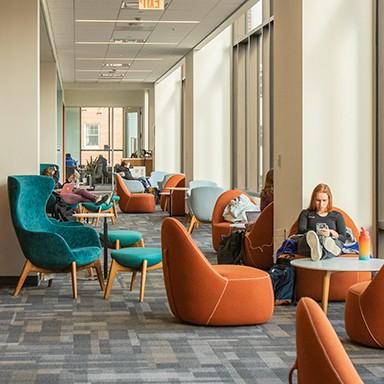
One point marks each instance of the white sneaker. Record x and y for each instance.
(331, 247)
(314, 243)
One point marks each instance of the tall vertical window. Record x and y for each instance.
(92, 135)
(252, 95)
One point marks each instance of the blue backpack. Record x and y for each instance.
(283, 281)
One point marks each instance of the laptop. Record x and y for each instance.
(67, 188)
(251, 216)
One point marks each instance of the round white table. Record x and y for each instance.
(337, 264)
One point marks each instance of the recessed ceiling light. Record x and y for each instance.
(118, 21)
(113, 70)
(121, 43)
(120, 58)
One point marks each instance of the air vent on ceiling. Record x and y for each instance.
(124, 41)
(116, 65)
(134, 4)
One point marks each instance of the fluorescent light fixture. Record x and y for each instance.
(119, 58)
(139, 21)
(115, 70)
(116, 65)
(121, 43)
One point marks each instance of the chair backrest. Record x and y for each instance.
(201, 183)
(28, 197)
(348, 222)
(189, 278)
(177, 180)
(321, 357)
(259, 241)
(202, 201)
(372, 304)
(134, 186)
(222, 201)
(163, 181)
(121, 188)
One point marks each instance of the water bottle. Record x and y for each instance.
(364, 245)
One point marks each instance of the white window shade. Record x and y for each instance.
(168, 123)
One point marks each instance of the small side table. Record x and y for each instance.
(99, 215)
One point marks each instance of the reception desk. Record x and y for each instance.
(139, 161)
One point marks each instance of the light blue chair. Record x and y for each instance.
(201, 183)
(202, 201)
(49, 247)
(156, 177)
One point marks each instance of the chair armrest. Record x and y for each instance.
(46, 249)
(79, 236)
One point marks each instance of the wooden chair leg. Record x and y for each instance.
(115, 209)
(24, 273)
(74, 279)
(117, 244)
(50, 281)
(192, 224)
(166, 204)
(99, 274)
(139, 244)
(143, 278)
(133, 279)
(111, 277)
(90, 273)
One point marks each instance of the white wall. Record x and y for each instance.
(212, 110)
(338, 103)
(19, 113)
(48, 113)
(168, 123)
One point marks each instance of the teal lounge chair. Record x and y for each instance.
(49, 247)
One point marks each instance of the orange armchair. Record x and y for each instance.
(205, 294)
(321, 357)
(220, 227)
(364, 312)
(178, 197)
(309, 282)
(134, 202)
(258, 242)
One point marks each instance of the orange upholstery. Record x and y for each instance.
(178, 197)
(133, 202)
(258, 242)
(205, 294)
(364, 312)
(309, 282)
(321, 357)
(220, 227)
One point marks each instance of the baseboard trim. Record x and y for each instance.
(30, 281)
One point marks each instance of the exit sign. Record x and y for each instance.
(151, 4)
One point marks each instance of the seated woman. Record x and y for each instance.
(70, 192)
(323, 229)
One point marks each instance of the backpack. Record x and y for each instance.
(283, 281)
(59, 209)
(231, 248)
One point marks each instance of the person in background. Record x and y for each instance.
(69, 161)
(323, 228)
(266, 195)
(72, 194)
(123, 170)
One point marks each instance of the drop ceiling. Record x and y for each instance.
(101, 41)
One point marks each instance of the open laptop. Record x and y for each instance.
(67, 188)
(251, 216)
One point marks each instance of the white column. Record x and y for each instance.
(323, 107)
(48, 113)
(19, 112)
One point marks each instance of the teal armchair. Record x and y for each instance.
(49, 246)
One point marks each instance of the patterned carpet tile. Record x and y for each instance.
(47, 337)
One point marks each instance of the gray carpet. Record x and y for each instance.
(47, 337)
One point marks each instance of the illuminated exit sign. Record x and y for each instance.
(151, 4)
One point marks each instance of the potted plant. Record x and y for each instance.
(91, 169)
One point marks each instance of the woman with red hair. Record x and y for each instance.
(323, 229)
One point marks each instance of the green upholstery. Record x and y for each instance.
(47, 244)
(126, 238)
(93, 207)
(134, 257)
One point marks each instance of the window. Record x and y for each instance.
(92, 135)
